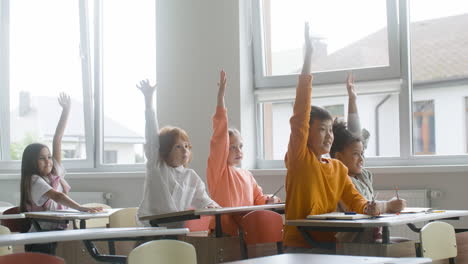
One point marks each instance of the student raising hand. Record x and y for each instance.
(146, 88)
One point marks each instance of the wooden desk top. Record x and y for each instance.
(86, 234)
(69, 215)
(391, 220)
(329, 259)
(216, 211)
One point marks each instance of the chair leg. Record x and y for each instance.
(243, 246)
(418, 249)
(279, 247)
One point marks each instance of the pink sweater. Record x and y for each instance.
(229, 186)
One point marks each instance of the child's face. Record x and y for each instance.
(353, 158)
(180, 153)
(235, 150)
(44, 162)
(320, 137)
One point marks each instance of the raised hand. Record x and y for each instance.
(222, 88)
(64, 101)
(309, 48)
(352, 95)
(146, 88)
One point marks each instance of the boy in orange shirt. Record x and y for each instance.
(314, 185)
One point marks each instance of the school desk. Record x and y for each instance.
(67, 215)
(89, 235)
(329, 259)
(217, 212)
(11, 216)
(358, 225)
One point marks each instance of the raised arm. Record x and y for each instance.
(65, 103)
(301, 111)
(309, 50)
(151, 125)
(219, 144)
(354, 124)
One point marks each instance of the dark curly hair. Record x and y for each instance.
(343, 137)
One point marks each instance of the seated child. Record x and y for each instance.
(314, 185)
(169, 185)
(230, 186)
(348, 147)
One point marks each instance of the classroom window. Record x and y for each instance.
(87, 50)
(44, 61)
(125, 61)
(437, 75)
(424, 128)
(400, 116)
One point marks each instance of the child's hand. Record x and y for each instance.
(90, 209)
(309, 48)
(64, 101)
(272, 200)
(213, 205)
(395, 205)
(350, 87)
(372, 209)
(222, 81)
(146, 88)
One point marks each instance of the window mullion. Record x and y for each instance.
(86, 79)
(406, 128)
(4, 80)
(98, 96)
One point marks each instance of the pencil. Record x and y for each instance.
(277, 191)
(396, 191)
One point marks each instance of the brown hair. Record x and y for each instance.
(28, 169)
(167, 138)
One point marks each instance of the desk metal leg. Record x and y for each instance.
(82, 224)
(94, 252)
(218, 228)
(308, 238)
(385, 235)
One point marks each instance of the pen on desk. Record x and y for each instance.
(277, 191)
(396, 191)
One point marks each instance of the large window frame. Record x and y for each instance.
(397, 76)
(91, 66)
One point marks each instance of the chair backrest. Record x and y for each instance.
(98, 222)
(438, 241)
(7, 249)
(30, 257)
(16, 225)
(262, 227)
(124, 218)
(202, 224)
(163, 251)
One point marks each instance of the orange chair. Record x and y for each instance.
(16, 225)
(196, 225)
(259, 227)
(29, 258)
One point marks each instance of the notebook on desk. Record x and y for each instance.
(409, 210)
(338, 216)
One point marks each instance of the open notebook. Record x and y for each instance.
(409, 210)
(338, 216)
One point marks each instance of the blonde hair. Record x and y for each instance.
(167, 138)
(234, 132)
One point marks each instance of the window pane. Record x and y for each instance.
(378, 114)
(343, 36)
(44, 61)
(438, 58)
(129, 55)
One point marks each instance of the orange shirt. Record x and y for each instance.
(228, 186)
(312, 187)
